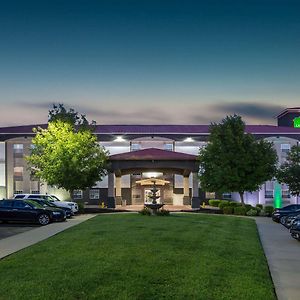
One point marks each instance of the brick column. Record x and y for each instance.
(111, 191)
(195, 198)
(186, 191)
(118, 190)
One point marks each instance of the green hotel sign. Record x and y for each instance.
(296, 122)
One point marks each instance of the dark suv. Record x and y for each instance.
(29, 211)
(287, 210)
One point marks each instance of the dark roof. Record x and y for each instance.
(152, 154)
(159, 129)
(287, 110)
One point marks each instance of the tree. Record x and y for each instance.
(67, 154)
(289, 171)
(233, 160)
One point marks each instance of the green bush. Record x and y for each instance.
(223, 204)
(240, 210)
(248, 207)
(259, 206)
(234, 204)
(80, 207)
(252, 212)
(214, 202)
(145, 211)
(269, 210)
(163, 212)
(227, 210)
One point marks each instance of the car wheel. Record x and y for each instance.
(43, 219)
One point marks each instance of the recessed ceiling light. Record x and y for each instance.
(189, 140)
(119, 139)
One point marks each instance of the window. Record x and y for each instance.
(227, 195)
(18, 148)
(286, 194)
(94, 194)
(6, 203)
(18, 171)
(210, 195)
(269, 189)
(135, 146)
(168, 147)
(21, 204)
(285, 148)
(77, 194)
(35, 192)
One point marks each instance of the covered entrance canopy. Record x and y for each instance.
(157, 160)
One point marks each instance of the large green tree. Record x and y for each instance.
(289, 171)
(67, 154)
(233, 161)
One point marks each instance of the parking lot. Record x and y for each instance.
(7, 230)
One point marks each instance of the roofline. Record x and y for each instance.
(286, 110)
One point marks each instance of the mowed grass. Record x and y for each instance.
(129, 256)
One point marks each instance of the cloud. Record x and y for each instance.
(249, 109)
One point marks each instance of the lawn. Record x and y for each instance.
(129, 256)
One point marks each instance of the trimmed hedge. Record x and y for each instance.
(252, 212)
(269, 209)
(240, 210)
(234, 204)
(214, 202)
(259, 206)
(223, 203)
(227, 210)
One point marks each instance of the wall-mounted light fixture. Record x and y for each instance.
(119, 139)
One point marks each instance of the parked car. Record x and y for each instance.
(295, 229)
(289, 219)
(53, 199)
(46, 203)
(287, 210)
(29, 211)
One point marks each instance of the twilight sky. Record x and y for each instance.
(154, 61)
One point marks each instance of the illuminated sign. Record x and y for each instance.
(296, 122)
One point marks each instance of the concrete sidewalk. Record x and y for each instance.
(23, 240)
(283, 255)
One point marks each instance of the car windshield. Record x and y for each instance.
(54, 198)
(34, 204)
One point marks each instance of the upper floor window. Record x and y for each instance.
(77, 194)
(135, 146)
(94, 194)
(18, 148)
(285, 148)
(168, 146)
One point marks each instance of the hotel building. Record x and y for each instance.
(138, 152)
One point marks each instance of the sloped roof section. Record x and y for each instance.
(152, 154)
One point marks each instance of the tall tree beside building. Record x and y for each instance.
(233, 161)
(289, 171)
(67, 154)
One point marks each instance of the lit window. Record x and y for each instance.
(168, 147)
(94, 194)
(77, 194)
(285, 148)
(18, 171)
(210, 195)
(135, 147)
(18, 148)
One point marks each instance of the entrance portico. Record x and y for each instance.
(153, 160)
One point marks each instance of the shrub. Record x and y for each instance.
(269, 210)
(259, 206)
(234, 204)
(214, 203)
(80, 207)
(222, 205)
(145, 212)
(252, 212)
(248, 207)
(227, 210)
(240, 210)
(163, 212)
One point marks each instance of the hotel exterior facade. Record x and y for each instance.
(139, 152)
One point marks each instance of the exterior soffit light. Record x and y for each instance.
(189, 139)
